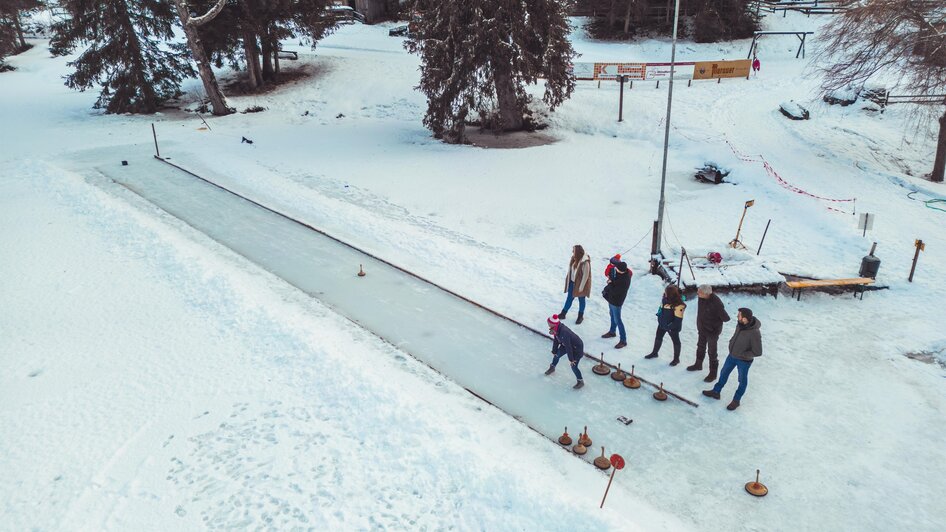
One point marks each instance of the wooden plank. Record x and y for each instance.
(829, 282)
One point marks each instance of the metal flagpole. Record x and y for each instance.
(663, 172)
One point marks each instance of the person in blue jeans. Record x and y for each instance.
(744, 346)
(565, 343)
(615, 292)
(577, 283)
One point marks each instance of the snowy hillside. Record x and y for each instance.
(173, 358)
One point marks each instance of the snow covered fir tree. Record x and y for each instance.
(344, 265)
(126, 52)
(477, 56)
(12, 32)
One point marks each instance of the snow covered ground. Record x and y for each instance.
(152, 378)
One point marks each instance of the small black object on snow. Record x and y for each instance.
(124, 163)
(711, 173)
(246, 140)
(340, 115)
(794, 111)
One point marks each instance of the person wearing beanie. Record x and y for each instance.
(565, 343)
(615, 292)
(577, 282)
(669, 321)
(609, 269)
(744, 346)
(710, 316)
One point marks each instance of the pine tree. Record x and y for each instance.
(725, 20)
(477, 56)
(12, 40)
(191, 22)
(126, 52)
(247, 33)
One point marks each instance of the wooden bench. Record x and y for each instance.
(858, 283)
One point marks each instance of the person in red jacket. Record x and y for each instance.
(756, 65)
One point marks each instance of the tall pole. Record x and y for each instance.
(663, 172)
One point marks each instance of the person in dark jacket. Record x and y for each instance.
(565, 343)
(615, 292)
(710, 316)
(744, 346)
(669, 321)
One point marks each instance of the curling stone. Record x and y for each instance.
(601, 462)
(757, 488)
(565, 439)
(631, 381)
(361, 271)
(584, 439)
(660, 394)
(579, 449)
(618, 375)
(600, 368)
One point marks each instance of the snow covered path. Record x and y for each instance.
(491, 356)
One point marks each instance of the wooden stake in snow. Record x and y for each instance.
(618, 462)
(920, 246)
(361, 271)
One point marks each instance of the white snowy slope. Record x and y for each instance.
(152, 378)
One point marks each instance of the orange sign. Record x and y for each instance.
(721, 69)
(613, 70)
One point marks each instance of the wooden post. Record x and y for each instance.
(920, 246)
(763, 237)
(621, 100)
(683, 253)
(613, 471)
(157, 153)
(690, 264)
(653, 248)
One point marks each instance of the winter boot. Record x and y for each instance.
(620, 344)
(581, 384)
(674, 362)
(697, 366)
(714, 365)
(652, 355)
(550, 371)
(561, 315)
(581, 318)
(733, 405)
(608, 334)
(711, 393)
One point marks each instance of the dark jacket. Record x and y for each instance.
(710, 315)
(615, 292)
(670, 317)
(569, 342)
(746, 342)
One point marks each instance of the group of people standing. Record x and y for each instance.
(744, 346)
